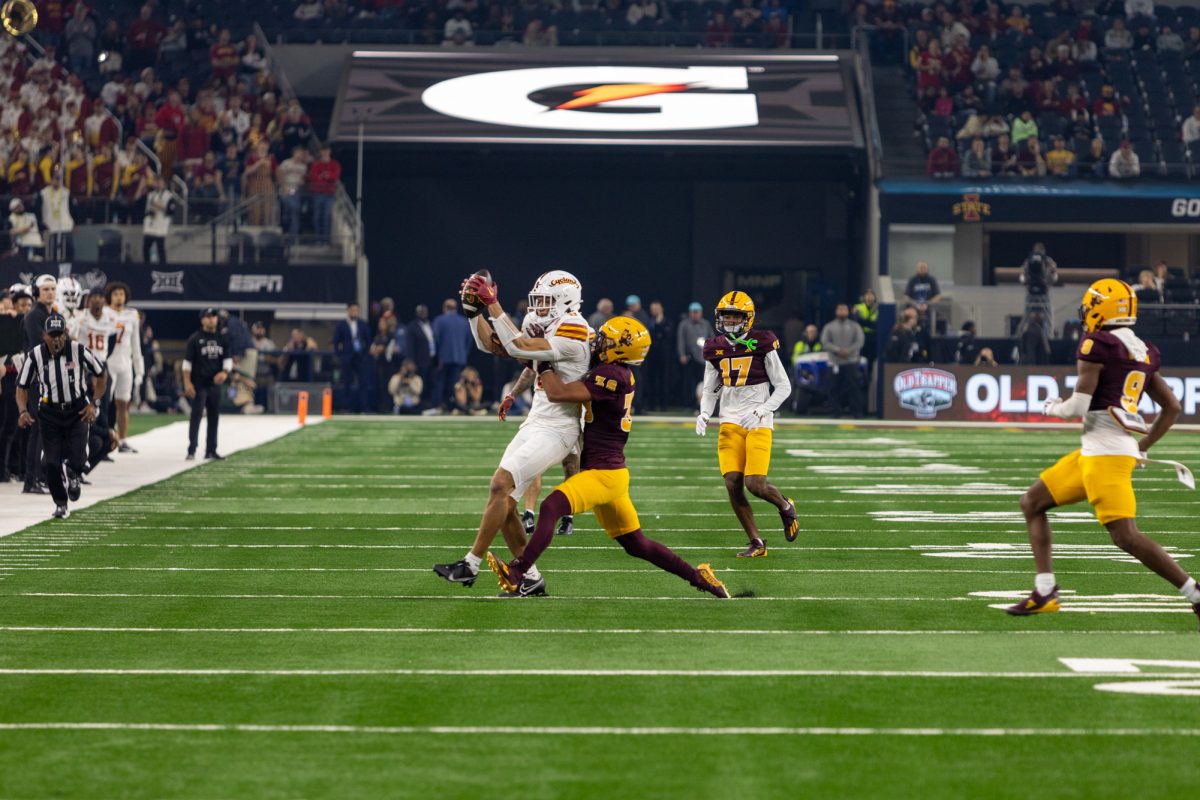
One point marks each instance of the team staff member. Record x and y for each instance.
(67, 407)
(206, 365)
(45, 295)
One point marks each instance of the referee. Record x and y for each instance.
(206, 365)
(67, 406)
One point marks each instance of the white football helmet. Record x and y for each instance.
(555, 294)
(70, 293)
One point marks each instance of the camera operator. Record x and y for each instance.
(468, 393)
(1038, 273)
(405, 387)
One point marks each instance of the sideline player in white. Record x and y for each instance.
(70, 297)
(551, 430)
(125, 363)
(95, 325)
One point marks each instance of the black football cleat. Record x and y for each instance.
(756, 549)
(458, 572)
(791, 524)
(566, 526)
(1196, 608)
(1036, 604)
(61, 512)
(213, 456)
(125, 448)
(529, 588)
(529, 521)
(35, 488)
(73, 485)
(191, 456)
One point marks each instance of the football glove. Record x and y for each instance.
(484, 291)
(755, 418)
(701, 424)
(505, 405)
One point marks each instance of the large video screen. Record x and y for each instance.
(617, 98)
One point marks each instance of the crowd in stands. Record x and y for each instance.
(114, 100)
(1048, 89)
(465, 23)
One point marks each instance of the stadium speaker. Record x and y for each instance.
(109, 243)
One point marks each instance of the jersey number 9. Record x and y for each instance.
(1135, 382)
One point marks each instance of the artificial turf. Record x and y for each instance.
(289, 589)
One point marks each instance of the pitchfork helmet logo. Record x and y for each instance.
(602, 99)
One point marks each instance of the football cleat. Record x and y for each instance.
(191, 456)
(510, 579)
(125, 448)
(757, 549)
(213, 456)
(458, 572)
(61, 512)
(1036, 604)
(566, 526)
(1196, 608)
(791, 525)
(529, 588)
(73, 485)
(708, 582)
(529, 521)
(35, 488)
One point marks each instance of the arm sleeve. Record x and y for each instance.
(560, 346)
(711, 390)
(191, 355)
(93, 364)
(781, 386)
(680, 343)
(860, 339)
(826, 338)
(936, 288)
(475, 334)
(227, 364)
(135, 348)
(25, 376)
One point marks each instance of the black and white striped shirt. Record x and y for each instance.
(63, 378)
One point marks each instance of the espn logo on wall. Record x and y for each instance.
(268, 284)
(1004, 394)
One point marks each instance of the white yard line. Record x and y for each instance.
(698, 598)
(160, 456)
(584, 631)
(534, 730)
(595, 673)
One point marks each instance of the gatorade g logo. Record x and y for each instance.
(603, 99)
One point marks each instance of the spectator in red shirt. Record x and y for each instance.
(223, 56)
(720, 32)
(323, 177)
(51, 20)
(193, 140)
(943, 160)
(170, 120)
(929, 67)
(144, 35)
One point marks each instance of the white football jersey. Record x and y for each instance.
(127, 352)
(94, 333)
(569, 339)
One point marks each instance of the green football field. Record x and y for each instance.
(269, 627)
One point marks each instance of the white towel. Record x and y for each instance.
(1136, 347)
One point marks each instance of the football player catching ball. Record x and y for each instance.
(550, 431)
(606, 392)
(742, 368)
(1114, 368)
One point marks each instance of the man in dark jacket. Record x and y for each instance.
(351, 341)
(418, 345)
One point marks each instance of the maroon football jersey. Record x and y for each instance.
(608, 418)
(741, 364)
(1122, 380)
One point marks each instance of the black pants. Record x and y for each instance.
(356, 381)
(208, 398)
(846, 390)
(64, 438)
(8, 420)
(158, 243)
(34, 466)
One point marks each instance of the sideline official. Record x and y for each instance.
(68, 406)
(206, 365)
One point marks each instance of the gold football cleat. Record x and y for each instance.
(712, 585)
(503, 575)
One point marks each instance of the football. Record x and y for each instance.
(470, 303)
